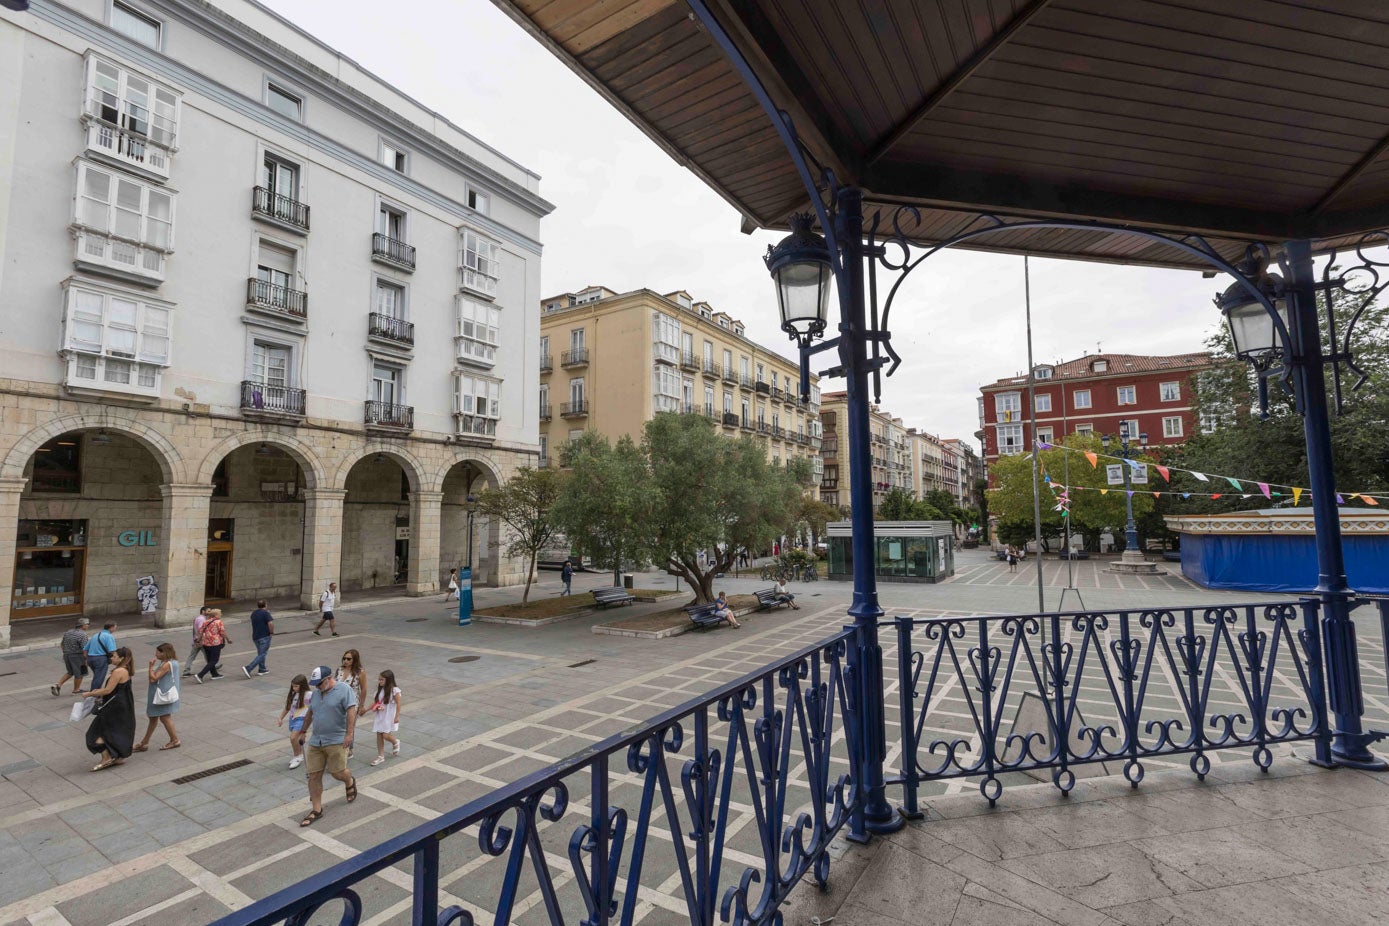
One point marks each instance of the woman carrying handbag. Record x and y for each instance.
(214, 637)
(112, 732)
(162, 697)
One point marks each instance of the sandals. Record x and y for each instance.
(352, 790)
(172, 744)
(139, 747)
(104, 764)
(311, 818)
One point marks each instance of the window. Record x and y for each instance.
(275, 269)
(743, 367)
(130, 117)
(709, 398)
(386, 384)
(1085, 429)
(1128, 395)
(1100, 366)
(1042, 373)
(544, 347)
(761, 373)
(390, 222)
(576, 339)
(479, 201)
(1010, 438)
(1172, 427)
(1008, 406)
(1132, 426)
(1171, 392)
(687, 345)
(544, 450)
(280, 177)
(1044, 402)
(576, 390)
(728, 403)
(480, 263)
(708, 354)
(544, 402)
(115, 339)
(270, 364)
(130, 22)
(394, 157)
(478, 403)
(478, 327)
(728, 362)
(1045, 436)
(58, 466)
(390, 300)
(123, 224)
(665, 388)
(287, 104)
(1081, 398)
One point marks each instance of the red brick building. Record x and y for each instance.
(1093, 395)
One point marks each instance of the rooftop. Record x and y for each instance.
(1116, 364)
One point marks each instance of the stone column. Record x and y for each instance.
(11, 488)
(424, 543)
(322, 544)
(183, 536)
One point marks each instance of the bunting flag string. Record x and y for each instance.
(1267, 489)
(1297, 494)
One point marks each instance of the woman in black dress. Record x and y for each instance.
(112, 732)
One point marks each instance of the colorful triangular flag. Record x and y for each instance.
(1200, 476)
(1166, 476)
(1234, 482)
(1263, 487)
(1297, 495)
(1093, 457)
(1369, 499)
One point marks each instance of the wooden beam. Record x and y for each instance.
(953, 82)
(1352, 175)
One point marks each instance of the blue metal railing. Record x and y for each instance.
(1116, 686)
(773, 741)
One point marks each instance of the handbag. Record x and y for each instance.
(82, 709)
(166, 696)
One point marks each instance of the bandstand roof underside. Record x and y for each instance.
(1258, 120)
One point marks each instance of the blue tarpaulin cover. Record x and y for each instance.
(1280, 563)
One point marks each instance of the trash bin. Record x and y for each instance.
(627, 580)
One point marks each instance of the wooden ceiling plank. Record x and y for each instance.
(955, 81)
(1375, 156)
(617, 23)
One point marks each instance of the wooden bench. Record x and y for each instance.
(607, 597)
(702, 615)
(767, 598)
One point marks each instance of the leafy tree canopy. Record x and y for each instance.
(606, 501)
(525, 503)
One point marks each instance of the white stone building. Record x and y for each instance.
(264, 319)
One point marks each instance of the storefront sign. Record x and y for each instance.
(137, 539)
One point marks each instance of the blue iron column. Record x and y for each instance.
(866, 656)
(1350, 744)
(1130, 529)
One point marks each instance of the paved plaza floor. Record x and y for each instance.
(484, 705)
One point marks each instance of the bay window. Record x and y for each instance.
(1010, 439)
(477, 404)
(122, 224)
(115, 341)
(665, 383)
(130, 118)
(478, 326)
(479, 263)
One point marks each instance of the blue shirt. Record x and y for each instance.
(103, 644)
(330, 714)
(260, 624)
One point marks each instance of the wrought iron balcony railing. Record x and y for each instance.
(713, 368)
(764, 388)
(574, 409)
(392, 251)
(730, 419)
(710, 411)
(578, 356)
(388, 415)
(689, 360)
(746, 424)
(282, 209)
(270, 399)
(730, 375)
(745, 381)
(545, 412)
(547, 363)
(278, 299)
(390, 328)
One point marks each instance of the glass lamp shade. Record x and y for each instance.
(1251, 327)
(1104, 441)
(1143, 439)
(1124, 431)
(800, 266)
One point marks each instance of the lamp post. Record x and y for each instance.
(470, 503)
(1287, 339)
(1132, 559)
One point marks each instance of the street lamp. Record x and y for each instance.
(1132, 559)
(470, 503)
(800, 265)
(1256, 337)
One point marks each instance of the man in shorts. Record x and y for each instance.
(332, 716)
(74, 647)
(326, 602)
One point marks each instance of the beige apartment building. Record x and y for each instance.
(610, 361)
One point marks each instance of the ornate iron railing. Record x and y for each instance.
(280, 299)
(390, 328)
(281, 208)
(388, 415)
(574, 357)
(265, 397)
(657, 800)
(397, 252)
(983, 696)
(574, 409)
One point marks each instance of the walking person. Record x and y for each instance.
(354, 676)
(1012, 559)
(213, 638)
(333, 716)
(385, 721)
(262, 629)
(297, 710)
(453, 586)
(567, 574)
(100, 649)
(112, 732)
(73, 646)
(162, 697)
(197, 647)
(326, 601)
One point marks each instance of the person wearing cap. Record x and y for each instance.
(74, 649)
(332, 716)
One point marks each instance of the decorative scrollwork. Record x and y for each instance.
(351, 914)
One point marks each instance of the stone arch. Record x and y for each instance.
(419, 476)
(172, 466)
(487, 539)
(488, 469)
(315, 473)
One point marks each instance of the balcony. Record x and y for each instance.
(547, 363)
(476, 426)
(574, 358)
(146, 154)
(745, 423)
(276, 300)
(730, 376)
(542, 463)
(101, 253)
(764, 388)
(763, 427)
(710, 412)
(712, 369)
(779, 431)
(545, 412)
(389, 328)
(389, 417)
(279, 210)
(745, 381)
(777, 394)
(578, 409)
(689, 360)
(730, 420)
(386, 250)
(264, 399)
(829, 445)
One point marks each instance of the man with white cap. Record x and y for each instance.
(332, 716)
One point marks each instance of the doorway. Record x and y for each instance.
(218, 587)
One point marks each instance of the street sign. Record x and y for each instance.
(465, 597)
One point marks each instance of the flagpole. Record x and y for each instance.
(1032, 403)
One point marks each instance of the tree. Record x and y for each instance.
(605, 503)
(900, 505)
(817, 515)
(712, 493)
(525, 503)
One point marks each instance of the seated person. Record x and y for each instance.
(782, 595)
(723, 612)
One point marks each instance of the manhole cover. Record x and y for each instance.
(465, 659)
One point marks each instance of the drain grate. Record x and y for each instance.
(586, 662)
(209, 772)
(415, 620)
(465, 659)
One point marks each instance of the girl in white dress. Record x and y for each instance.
(385, 711)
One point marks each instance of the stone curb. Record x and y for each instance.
(614, 631)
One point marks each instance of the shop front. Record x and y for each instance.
(50, 568)
(904, 551)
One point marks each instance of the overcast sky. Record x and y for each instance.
(628, 217)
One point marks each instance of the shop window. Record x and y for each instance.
(58, 467)
(49, 569)
(219, 530)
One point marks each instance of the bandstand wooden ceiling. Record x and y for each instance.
(1239, 119)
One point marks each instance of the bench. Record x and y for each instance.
(607, 597)
(1074, 554)
(767, 598)
(702, 615)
